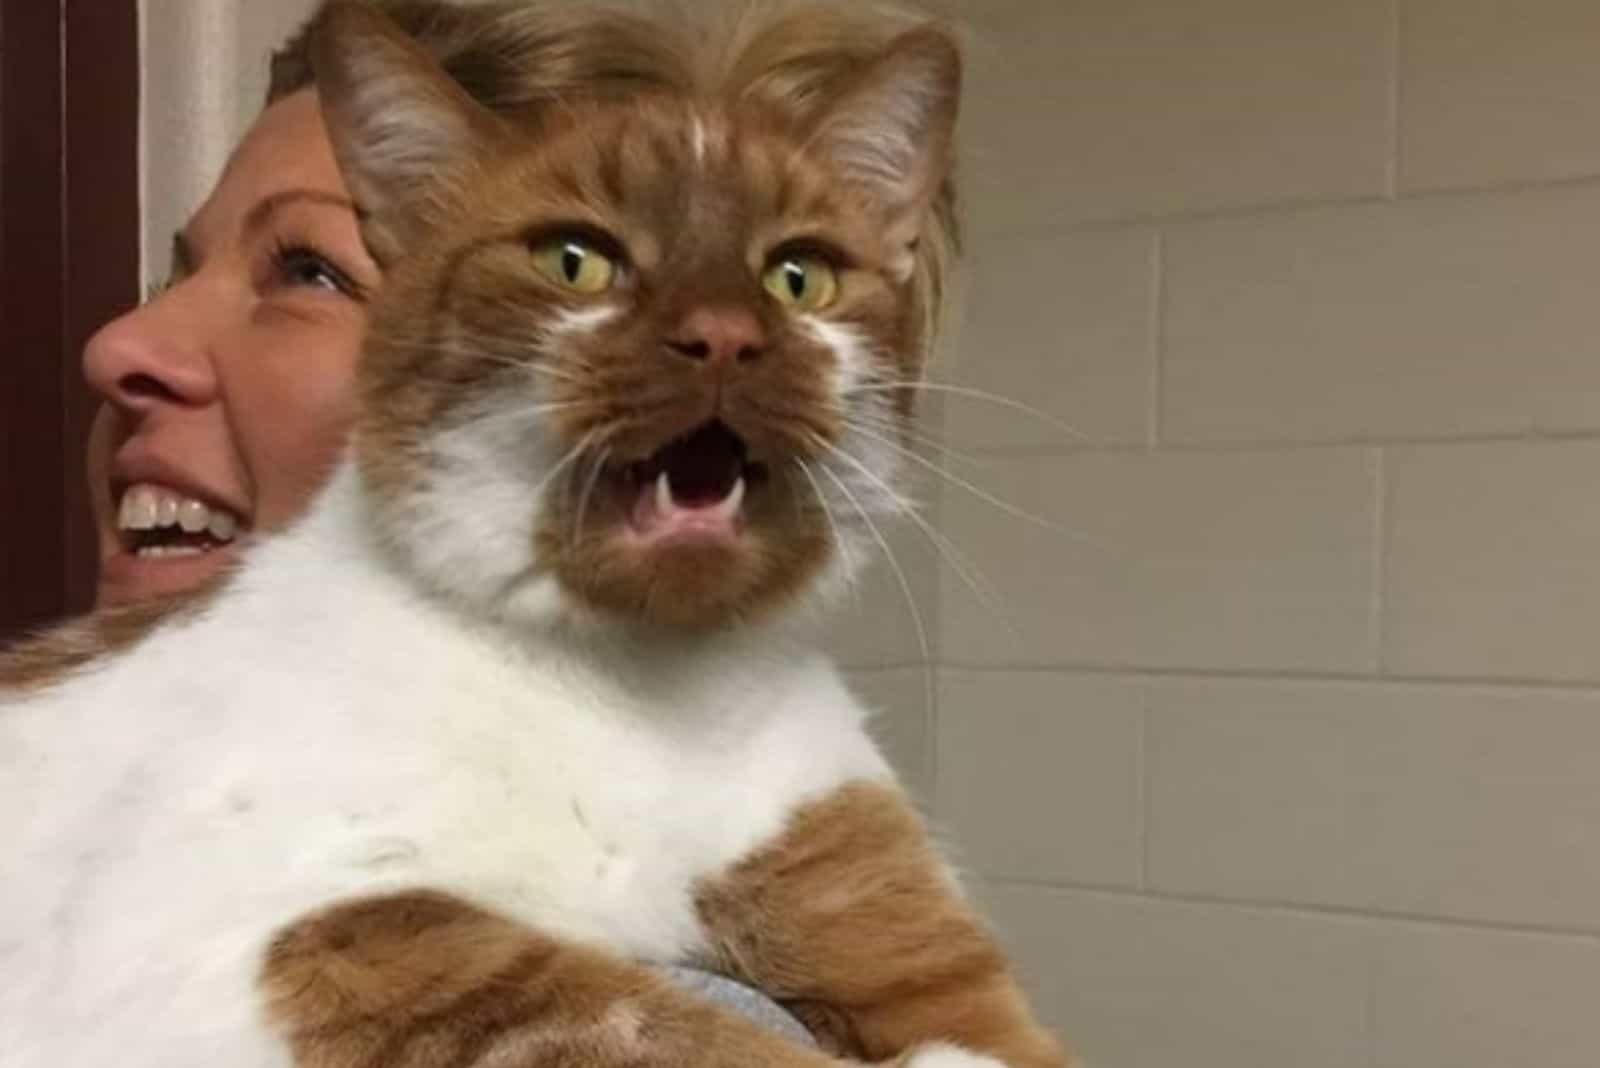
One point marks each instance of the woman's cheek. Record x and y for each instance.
(291, 417)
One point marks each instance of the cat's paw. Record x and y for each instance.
(944, 1055)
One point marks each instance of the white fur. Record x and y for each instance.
(469, 527)
(582, 321)
(852, 361)
(697, 129)
(865, 458)
(325, 731)
(945, 1055)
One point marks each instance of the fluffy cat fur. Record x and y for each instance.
(445, 761)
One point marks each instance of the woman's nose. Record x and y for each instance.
(152, 356)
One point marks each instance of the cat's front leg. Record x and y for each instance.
(852, 920)
(426, 980)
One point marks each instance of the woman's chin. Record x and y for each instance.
(128, 577)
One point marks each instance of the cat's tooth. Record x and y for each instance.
(223, 526)
(193, 516)
(728, 507)
(139, 508)
(166, 509)
(664, 502)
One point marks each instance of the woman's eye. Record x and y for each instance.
(805, 282)
(301, 268)
(575, 264)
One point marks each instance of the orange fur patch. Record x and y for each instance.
(852, 920)
(50, 657)
(425, 980)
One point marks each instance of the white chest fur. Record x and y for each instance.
(323, 733)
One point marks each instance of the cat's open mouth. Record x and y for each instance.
(696, 487)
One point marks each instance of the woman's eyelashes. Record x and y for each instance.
(290, 265)
(300, 265)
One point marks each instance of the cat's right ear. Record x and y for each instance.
(402, 130)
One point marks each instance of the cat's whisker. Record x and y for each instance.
(928, 441)
(566, 461)
(900, 577)
(982, 494)
(533, 368)
(525, 413)
(980, 395)
(981, 589)
(464, 349)
(588, 492)
(827, 511)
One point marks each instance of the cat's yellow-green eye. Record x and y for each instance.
(804, 282)
(575, 264)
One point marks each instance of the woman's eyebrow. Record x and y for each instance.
(183, 259)
(267, 206)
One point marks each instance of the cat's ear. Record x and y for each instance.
(402, 129)
(893, 131)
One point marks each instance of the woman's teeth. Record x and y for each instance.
(154, 511)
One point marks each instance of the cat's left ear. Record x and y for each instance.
(402, 129)
(893, 131)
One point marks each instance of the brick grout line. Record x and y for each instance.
(1370, 1008)
(1143, 784)
(1382, 509)
(878, 669)
(1279, 209)
(1267, 209)
(1231, 448)
(1306, 910)
(1270, 677)
(1158, 341)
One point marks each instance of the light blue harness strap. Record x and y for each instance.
(749, 1003)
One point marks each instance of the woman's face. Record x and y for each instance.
(227, 397)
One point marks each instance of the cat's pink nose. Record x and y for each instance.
(720, 336)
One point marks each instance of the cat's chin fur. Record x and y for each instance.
(466, 535)
(187, 802)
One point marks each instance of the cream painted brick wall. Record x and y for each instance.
(1145, 983)
(1438, 318)
(1449, 997)
(1493, 566)
(1280, 744)
(1498, 91)
(1262, 560)
(1116, 109)
(1088, 367)
(1478, 804)
(1015, 744)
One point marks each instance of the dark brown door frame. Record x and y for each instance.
(69, 261)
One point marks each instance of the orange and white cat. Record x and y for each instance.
(530, 696)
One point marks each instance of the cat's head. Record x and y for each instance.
(645, 341)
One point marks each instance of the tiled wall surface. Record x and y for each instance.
(1274, 739)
